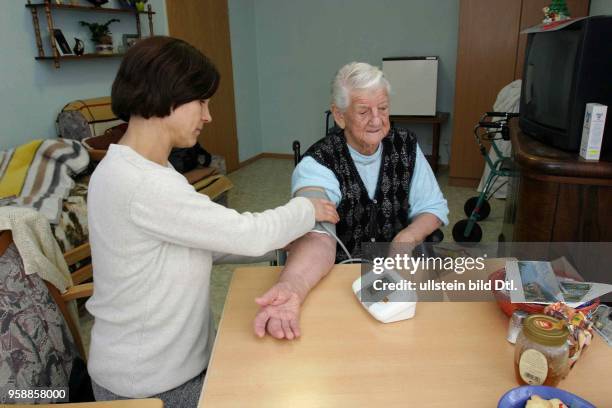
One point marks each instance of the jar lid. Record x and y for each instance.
(545, 330)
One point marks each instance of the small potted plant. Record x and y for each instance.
(140, 5)
(101, 35)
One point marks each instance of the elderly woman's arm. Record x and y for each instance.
(310, 258)
(415, 233)
(428, 208)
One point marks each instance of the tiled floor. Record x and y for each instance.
(266, 184)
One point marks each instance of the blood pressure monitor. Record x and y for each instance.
(386, 305)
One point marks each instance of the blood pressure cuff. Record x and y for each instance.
(320, 227)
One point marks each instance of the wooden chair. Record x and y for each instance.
(79, 255)
(80, 290)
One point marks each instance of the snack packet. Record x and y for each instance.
(579, 326)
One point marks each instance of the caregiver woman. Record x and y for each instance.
(153, 237)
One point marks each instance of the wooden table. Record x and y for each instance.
(449, 354)
(435, 121)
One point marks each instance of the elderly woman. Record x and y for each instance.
(153, 237)
(378, 177)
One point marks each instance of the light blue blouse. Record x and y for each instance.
(425, 195)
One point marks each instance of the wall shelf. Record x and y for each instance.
(87, 8)
(48, 7)
(77, 57)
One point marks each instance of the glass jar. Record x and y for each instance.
(541, 351)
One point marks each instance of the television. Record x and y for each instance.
(564, 70)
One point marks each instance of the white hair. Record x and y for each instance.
(356, 75)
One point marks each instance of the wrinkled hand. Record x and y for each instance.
(325, 211)
(279, 313)
(406, 237)
(403, 244)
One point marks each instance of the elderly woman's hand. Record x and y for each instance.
(279, 314)
(325, 211)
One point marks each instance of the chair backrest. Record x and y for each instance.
(79, 262)
(330, 126)
(85, 118)
(75, 292)
(78, 259)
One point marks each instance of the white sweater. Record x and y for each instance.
(152, 241)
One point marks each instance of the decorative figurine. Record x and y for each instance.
(79, 47)
(557, 11)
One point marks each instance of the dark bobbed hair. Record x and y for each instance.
(159, 74)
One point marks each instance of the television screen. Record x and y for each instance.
(566, 68)
(549, 77)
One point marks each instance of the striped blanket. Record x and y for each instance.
(39, 174)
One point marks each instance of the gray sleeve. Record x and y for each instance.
(221, 258)
(320, 227)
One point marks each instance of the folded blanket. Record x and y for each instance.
(39, 174)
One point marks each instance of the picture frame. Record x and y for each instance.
(63, 48)
(129, 40)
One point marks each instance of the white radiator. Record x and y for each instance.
(414, 83)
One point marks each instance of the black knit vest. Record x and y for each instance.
(363, 219)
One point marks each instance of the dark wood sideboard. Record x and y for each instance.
(556, 196)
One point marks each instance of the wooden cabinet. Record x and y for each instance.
(205, 25)
(556, 197)
(490, 55)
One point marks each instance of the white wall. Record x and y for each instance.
(599, 7)
(246, 77)
(299, 45)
